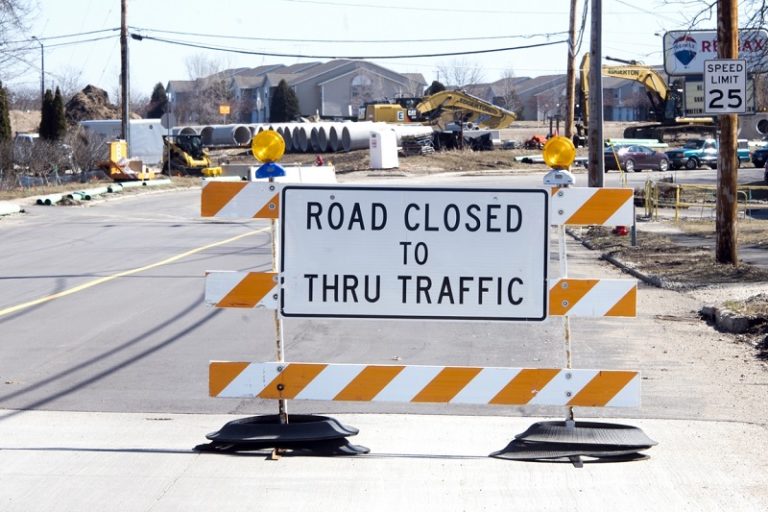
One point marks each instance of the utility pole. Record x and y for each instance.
(727, 169)
(570, 91)
(124, 78)
(42, 70)
(595, 128)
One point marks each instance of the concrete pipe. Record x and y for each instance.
(324, 137)
(402, 130)
(300, 139)
(753, 126)
(186, 130)
(226, 135)
(206, 134)
(355, 136)
(334, 137)
(285, 131)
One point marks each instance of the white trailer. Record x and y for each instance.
(146, 136)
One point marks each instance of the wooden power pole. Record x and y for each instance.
(727, 168)
(570, 90)
(124, 78)
(595, 129)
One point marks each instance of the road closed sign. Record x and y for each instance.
(387, 252)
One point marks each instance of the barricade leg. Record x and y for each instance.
(570, 440)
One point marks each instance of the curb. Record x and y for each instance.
(726, 320)
(723, 319)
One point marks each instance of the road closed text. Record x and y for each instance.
(422, 253)
(493, 218)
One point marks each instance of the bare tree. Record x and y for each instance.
(14, 15)
(459, 73)
(509, 97)
(27, 98)
(202, 66)
(69, 81)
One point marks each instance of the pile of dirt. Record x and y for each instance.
(671, 264)
(24, 121)
(90, 103)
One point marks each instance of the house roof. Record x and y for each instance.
(416, 78)
(181, 86)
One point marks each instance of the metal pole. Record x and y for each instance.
(595, 136)
(42, 70)
(727, 168)
(124, 78)
(282, 404)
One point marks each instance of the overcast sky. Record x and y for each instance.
(632, 29)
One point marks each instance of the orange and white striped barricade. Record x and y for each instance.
(337, 243)
(425, 384)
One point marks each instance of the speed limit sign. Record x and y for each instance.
(725, 87)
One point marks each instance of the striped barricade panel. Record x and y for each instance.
(425, 384)
(592, 206)
(572, 297)
(225, 289)
(593, 297)
(257, 200)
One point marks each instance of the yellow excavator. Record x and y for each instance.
(439, 109)
(665, 101)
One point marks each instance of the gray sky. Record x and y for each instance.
(632, 30)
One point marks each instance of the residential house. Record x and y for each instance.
(334, 89)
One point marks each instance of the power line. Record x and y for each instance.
(390, 7)
(81, 41)
(64, 36)
(289, 40)
(356, 57)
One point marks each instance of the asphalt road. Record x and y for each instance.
(104, 338)
(101, 309)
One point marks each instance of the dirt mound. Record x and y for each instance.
(90, 103)
(23, 121)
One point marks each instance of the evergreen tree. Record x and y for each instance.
(158, 102)
(284, 106)
(53, 124)
(5, 120)
(60, 120)
(434, 88)
(47, 129)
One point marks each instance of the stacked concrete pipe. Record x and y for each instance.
(356, 135)
(226, 135)
(186, 130)
(415, 130)
(300, 138)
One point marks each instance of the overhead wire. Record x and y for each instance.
(344, 41)
(350, 57)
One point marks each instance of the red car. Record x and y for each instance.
(634, 158)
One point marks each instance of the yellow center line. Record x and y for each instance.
(102, 280)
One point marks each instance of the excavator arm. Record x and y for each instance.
(468, 107)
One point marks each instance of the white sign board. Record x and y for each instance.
(686, 51)
(390, 252)
(725, 87)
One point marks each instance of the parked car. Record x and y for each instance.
(698, 152)
(760, 156)
(634, 157)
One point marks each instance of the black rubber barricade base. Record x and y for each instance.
(559, 441)
(304, 434)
